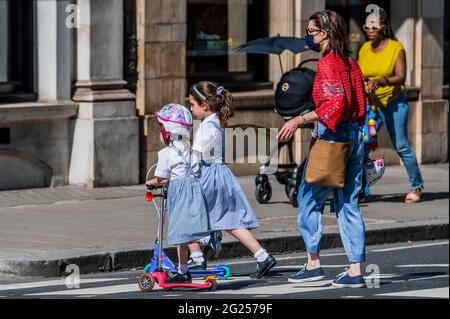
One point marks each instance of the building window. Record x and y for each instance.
(214, 28)
(16, 51)
(130, 45)
(354, 14)
(446, 36)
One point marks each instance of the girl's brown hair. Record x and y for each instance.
(219, 100)
(334, 24)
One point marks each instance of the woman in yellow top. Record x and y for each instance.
(383, 63)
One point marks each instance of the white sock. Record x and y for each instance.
(183, 268)
(205, 240)
(197, 256)
(261, 255)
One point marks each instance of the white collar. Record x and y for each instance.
(210, 118)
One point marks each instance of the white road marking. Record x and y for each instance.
(116, 289)
(280, 258)
(94, 291)
(51, 283)
(287, 288)
(422, 265)
(417, 279)
(300, 267)
(409, 247)
(425, 293)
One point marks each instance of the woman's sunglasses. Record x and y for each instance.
(374, 28)
(311, 31)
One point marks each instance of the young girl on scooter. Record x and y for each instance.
(226, 203)
(188, 217)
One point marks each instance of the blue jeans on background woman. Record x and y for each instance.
(395, 118)
(311, 199)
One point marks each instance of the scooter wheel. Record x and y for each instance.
(146, 282)
(263, 193)
(226, 270)
(213, 282)
(293, 197)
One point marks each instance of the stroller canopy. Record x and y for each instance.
(293, 95)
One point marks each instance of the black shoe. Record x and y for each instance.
(179, 278)
(361, 197)
(263, 268)
(193, 265)
(215, 242)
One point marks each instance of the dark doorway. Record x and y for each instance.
(17, 83)
(212, 31)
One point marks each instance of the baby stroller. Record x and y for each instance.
(293, 97)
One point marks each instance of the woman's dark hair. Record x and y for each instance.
(219, 100)
(334, 24)
(384, 18)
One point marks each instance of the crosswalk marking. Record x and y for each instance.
(282, 258)
(422, 265)
(93, 291)
(409, 247)
(287, 288)
(51, 283)
(300, 267)
(116, 289)
(425, 293)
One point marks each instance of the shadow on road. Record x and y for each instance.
(400, 198)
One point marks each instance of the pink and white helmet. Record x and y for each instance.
(174, 119)
(374, 170)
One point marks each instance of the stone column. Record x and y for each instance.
(430, 48)
(403, 19)
(282, 22)
(106, 140)
(54, 52)
(161, 38)
(4, 41)
(237, 34)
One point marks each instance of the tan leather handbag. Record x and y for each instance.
(327, 163)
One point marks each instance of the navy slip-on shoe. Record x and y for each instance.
(343, 280)
(306, 275)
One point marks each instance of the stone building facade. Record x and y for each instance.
(77, 107)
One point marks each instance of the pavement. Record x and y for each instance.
(42, 231)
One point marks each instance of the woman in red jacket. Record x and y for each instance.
(339, 98)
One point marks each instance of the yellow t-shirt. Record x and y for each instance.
(378, 64)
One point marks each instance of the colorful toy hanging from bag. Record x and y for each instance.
(371, 127)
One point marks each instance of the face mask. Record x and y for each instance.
(311, 44)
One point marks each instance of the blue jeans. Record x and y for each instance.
(395, 118)
(311, 199)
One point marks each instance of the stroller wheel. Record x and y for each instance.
(293, 197)
(263, 193)
(287, 189)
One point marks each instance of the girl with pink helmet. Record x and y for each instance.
(188, 217)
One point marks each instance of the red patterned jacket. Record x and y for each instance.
(333, 96)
